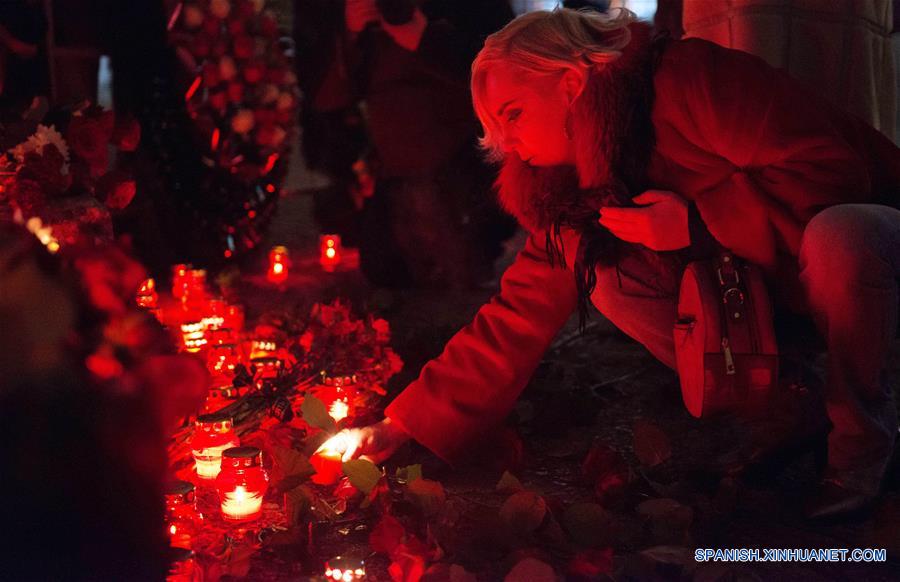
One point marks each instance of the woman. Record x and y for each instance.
(626, 156)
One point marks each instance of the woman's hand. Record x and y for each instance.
(660, 225)
(374, 443)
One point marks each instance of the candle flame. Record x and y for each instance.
(339, 410)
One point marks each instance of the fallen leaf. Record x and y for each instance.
(524, 511)
(363, 474)
(428, 496)
(651, 445)
(591, 563)
(509, 483)
(531, 570)
(409, 473)
(387, 535)
(315, 414)
(589, 524)
(297, 502)
(291, 468)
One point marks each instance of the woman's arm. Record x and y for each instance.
(475, 382)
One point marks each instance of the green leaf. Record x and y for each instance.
(409, 473)
(589, 524)
(524, 511)
(363, 475)
(429, 496)
(315, 413)
(509, 483)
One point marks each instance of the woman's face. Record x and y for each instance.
(531, 114)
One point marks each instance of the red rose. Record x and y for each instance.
(219, 48)
(254, 72)
(264, 116)
(201, 46)
(212, 26)
(45, 168)
(265, 135)
(243, 46)
(268, 25)
(284, 116)
(244, 9)
(235, 92)
(116, 190)
(127, 134)
(235, 26)
(218, 101)
(275, 75)
(211, 75)
(28, 196)
(88, 135)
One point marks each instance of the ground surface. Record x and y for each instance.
(599, 388)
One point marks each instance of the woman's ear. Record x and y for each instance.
(573, 82)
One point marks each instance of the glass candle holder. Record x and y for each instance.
(221, 360)
(213, 434)
(279, 263)
(233, 318)
(215, 314)
(242, 483)
(181, 566)
(180, 280)
(181, 514)
(338, 394)
(147, 297)
(345, 569)
(329, 251)
(327, 461)
(266, 368)
(219, 397)
(193, 336)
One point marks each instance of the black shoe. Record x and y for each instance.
(833, 502)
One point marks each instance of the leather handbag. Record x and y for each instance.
(725, 345)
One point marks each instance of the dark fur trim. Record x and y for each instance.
(614, 138)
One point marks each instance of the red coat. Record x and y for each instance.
(756, 153)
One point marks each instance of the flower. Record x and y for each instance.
(36, 142)
(193, 16)
(27, 196)
(243, 46)
(127, 134)
(116, 190)
(269, 94)
(227, 68)
(89, 135)
(242, 122)
(285, 101)
(220, 8)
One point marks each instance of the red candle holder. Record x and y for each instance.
(180, 281)
(345, 569)
(266, 368)
(221, 360)
(193, 336)
(330, 251)
(242, 484)
(181, 514)
(327, 460)
(279, 263)
(213, 434)
(147, 297)
(181, 566)
(234, 318)
(221, 396)
(262, 348)
(215, 314)
(338, 394)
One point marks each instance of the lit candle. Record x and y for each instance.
(279, 262)
(330, 246)
(213, 434)
(221, 361)
(193, 336)
(345, 569)
(234, 318)
(327, 460)
(242, 483)
(181, 511)
(180, 281)
(338, 395)
(147, 298)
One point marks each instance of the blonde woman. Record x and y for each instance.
(625, 156)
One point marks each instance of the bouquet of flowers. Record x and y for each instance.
(64, 176)
(244, 95)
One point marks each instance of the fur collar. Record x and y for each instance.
(613, 136)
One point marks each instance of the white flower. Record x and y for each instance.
(220, 8)
(35, 143)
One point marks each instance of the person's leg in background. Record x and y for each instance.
(849, 268)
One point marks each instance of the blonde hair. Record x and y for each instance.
(545, 44)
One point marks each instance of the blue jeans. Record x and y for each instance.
(849, 270)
